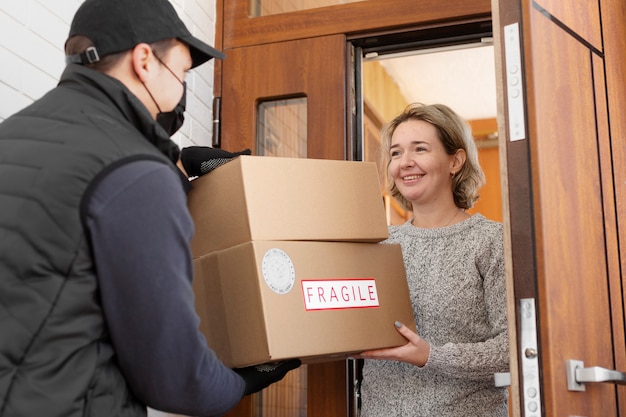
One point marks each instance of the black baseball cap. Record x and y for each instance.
(118, 25)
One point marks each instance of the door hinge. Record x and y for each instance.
(216, 140)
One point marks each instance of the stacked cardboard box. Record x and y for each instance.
(287, 261)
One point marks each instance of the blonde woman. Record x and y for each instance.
(455, 270)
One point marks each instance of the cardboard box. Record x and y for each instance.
(269, 198)
(264, 301)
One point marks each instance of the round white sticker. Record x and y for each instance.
(278, 271)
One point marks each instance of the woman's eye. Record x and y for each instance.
(393, 154)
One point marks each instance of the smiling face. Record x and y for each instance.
(419, 165)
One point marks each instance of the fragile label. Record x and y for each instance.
(333, 294)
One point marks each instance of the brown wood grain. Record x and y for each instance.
(241, 30)
(311, 68)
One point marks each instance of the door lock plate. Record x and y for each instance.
(530, 358)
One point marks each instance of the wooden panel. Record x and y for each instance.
(613, 18)
(241, 30)
(578, 167)
(311, 68)
(610, 225)
(243, 409)
(328, 390)
(381, 93)
(580, 16)
(569, 219)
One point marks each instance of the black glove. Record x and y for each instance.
(200, 160)
(261, 376)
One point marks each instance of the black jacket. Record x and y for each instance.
(56, 358)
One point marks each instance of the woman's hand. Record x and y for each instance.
(415, 352)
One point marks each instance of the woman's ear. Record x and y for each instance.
(142, 62)
(457, 161)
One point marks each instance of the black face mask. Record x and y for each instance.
(171, 121)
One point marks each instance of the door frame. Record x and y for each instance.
(236, 32)
(522, 180)
(347, 19)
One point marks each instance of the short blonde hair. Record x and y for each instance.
(454, 134)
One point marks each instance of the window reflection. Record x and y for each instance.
(282, 128)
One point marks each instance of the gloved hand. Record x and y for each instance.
(200, 160)
(261, 376)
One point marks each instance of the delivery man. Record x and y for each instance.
(96, 306)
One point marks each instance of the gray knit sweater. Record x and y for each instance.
(456, 281)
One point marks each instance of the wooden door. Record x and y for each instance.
(312, 71)
(562, 107)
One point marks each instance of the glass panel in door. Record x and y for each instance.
(270, 7)
(281, 128)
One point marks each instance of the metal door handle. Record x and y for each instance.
(577, 375)
(597, 374)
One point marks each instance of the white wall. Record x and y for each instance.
(32, 35)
